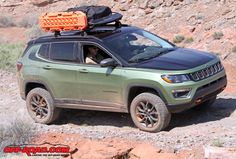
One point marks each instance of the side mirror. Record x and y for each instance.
(109, 62)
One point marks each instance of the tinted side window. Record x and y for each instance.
(44, 51)
(31, 50)
(63, 51)
(94, 54)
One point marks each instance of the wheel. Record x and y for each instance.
(40, 106)
(206, 104)
(149, 112)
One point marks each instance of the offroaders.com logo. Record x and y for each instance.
(45, 149)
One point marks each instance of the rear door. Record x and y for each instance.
(60, 69)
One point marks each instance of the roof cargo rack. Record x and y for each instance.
(83, 19)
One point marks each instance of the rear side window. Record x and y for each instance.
(31, 50)
(44, 51)
(63, 51)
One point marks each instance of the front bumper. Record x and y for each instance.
(203, 93)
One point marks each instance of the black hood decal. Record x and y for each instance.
(178, 59)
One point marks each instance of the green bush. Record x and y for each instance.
(9, 54)
(199, 17)
(217, 53)
(217, 143)
(217, 35)
(188, 40)
(234, 49)
(178, 38)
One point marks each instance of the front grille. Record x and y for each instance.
(212, 83)
(207, 72)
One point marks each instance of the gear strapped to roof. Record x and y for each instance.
(78, 18)
(62, 21)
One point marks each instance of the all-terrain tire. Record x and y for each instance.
(162, 115)
(52, 113)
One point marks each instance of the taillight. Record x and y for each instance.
(19, 66)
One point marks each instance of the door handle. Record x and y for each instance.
(47, 67)
(83, 70)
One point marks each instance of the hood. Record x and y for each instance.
(178, 59)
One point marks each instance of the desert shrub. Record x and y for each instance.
(9, 54)
(16, 132)
(178, 38)
(217, 35)
(28, 21)
(217, 143)
(217, 53)
(6, 21)
(234, 49)
(199, 17)
(35, 32)
(188, 40)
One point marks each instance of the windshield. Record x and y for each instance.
(138, 45)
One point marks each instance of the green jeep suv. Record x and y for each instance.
(118, 69)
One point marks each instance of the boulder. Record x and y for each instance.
(41, 3)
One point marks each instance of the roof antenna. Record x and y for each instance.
(83, 33)
(57, 33)
(118, 24)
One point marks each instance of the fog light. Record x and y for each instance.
(181, 93)
(198, 101)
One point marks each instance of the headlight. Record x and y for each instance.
(175, 78)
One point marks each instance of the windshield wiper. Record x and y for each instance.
(137, 60)
(162, 51)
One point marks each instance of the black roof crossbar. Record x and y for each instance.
(97, 28)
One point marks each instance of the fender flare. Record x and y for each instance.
(130, 86)
(37, 82)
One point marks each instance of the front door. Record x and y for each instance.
(99, 85)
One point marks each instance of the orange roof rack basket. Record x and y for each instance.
(63, 21)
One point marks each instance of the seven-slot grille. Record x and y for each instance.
(206, 72)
